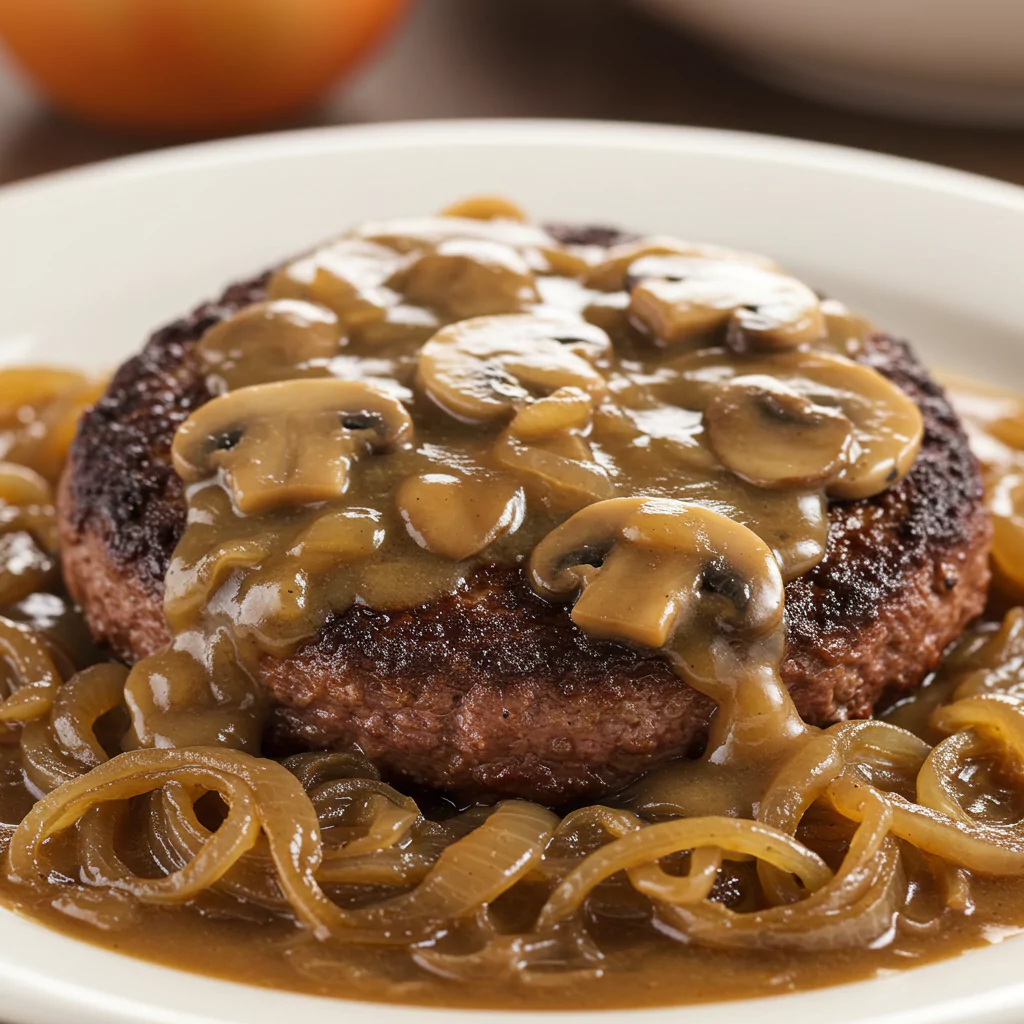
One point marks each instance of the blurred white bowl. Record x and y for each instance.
(952, 60)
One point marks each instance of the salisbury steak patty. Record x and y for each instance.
(492, 690)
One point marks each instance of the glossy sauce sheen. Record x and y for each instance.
(642, 970)
(652, 433)
(424, 396)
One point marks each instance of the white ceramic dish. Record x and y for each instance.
(91, 260)
(951, 60)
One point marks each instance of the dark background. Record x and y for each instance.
(538, 58)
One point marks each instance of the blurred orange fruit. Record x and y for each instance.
(190, 65)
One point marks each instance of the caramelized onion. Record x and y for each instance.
(472, 872)
(260, 794)
(64, 746)
(688, 564)
(34, 678)
(978, 847)
(853, 908)
(658, 884)
(653, 842)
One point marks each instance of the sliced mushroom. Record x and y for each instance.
(611, 272)
(486, 208)
(192, 581)
(888, 428)
(457, 517)
(887, 425)
(772, 436)
(268, 341)
(563, 411)
(680, 299)
(420, 234)
(479, 263)
(673, 436)
(288, 443)
(277, 574)
(649, 569)
(485, 369)
(847, 331)
(544, 445)
(560, 470)
(348, 277)
(405, 328)
(467, 277)
(563, 266)
(610, 312)
(338, 537)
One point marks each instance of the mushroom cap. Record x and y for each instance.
(646, 568)
(289, 442)
(456, 517)
(267, 341)
(613, 271)
(485, 369)
(467, 278)
(887, 425)
(348, 277)
(684, 298)
(772, 436)
(409, 234)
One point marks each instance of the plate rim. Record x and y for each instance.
(197, 156)
(45, 998)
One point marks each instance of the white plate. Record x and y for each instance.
(90, 261)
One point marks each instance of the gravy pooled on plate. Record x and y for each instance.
(652, 434)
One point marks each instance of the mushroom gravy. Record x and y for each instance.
(400, 448)
(422, 397)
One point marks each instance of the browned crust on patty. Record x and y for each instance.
(492, 690)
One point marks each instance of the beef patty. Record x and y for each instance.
(491, 690)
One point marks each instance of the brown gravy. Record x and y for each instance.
(649, 378)
(493, 382)
(640, 969)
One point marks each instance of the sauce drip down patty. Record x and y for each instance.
(398, 615)
(659, 461)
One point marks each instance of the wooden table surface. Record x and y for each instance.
(538, 58)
